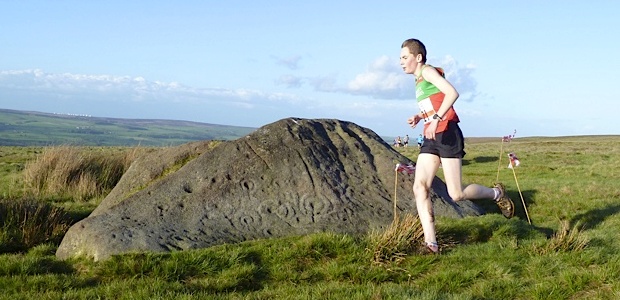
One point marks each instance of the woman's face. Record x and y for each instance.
(407, 60)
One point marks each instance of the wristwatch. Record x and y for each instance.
(437, 117)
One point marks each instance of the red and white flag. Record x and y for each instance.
(508, 138)
(514, 161)
(405, 168)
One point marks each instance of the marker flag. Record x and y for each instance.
(514, 161)
(405, 168)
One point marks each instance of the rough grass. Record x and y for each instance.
(569, 251)
(403, 237)
(25, 224)
(565, 239)
(76, 173)
(12, 164)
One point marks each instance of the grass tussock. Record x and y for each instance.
(566, 239)
(401, 238)
(75, 173)
(28, 223)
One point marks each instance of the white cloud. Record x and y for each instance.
(461, 77)
(125, 88)
(384, 79)
(372, 97)
(136, 97)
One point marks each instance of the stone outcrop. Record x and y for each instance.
(292, 177)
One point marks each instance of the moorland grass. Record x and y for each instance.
(77, 173)
(568, 252)
(27, 223)
(12, 162)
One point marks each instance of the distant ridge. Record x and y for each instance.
(32, 128)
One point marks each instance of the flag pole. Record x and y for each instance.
(499, 164)
(395, 190)
(520, 194)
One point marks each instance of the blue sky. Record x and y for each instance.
(544, 68)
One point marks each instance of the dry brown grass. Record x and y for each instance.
(565, 239)
(402, 237)
(76, 173)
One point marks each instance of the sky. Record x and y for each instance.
(542, 68)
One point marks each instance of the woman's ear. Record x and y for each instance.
(418, 58)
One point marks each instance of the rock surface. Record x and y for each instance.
(292, 177)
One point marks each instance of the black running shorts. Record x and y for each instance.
(447, 144)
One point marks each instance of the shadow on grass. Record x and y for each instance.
(29, 265)
(479, 159)
(482, 231)
(247, 275)
(485, 159)
(520, 211)
(588, 220)
(528, 198)
(594, 217)
(518, 226)
(528, 195)
(254, 280)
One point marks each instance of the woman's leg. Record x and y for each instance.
(452, 175)
(452, 171)
(426, 168)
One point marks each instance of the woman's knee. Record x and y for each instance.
(456, 195)
(420, 188)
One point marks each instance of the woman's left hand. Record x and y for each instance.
(429, 133)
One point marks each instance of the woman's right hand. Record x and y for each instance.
(413, 121)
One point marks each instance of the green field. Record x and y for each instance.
(19, 128)
(570, 251)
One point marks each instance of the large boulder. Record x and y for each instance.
(292, 177)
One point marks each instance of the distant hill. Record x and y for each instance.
(29, 128)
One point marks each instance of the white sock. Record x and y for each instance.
(433, 246)
(497, 194)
